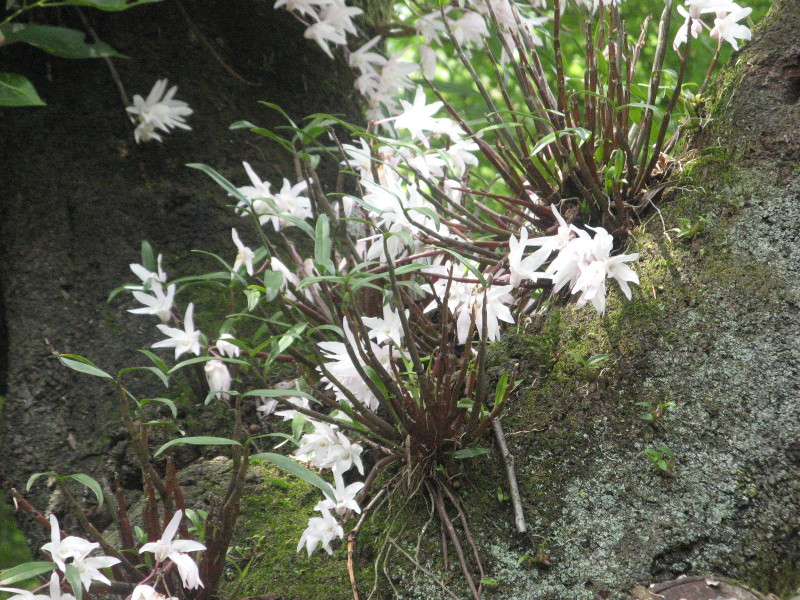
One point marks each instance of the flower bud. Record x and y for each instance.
(228, 349)
(219, 378)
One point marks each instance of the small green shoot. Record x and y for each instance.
(687, 230)
(663, 459)
(654, 413)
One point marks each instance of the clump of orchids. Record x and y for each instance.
(72, 563)
(386, 291)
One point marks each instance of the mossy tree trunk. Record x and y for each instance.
(714, 328)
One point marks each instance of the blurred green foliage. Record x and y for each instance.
(456, 85)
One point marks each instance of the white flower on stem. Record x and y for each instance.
(516, 248)
(315, 447)
(696, 28)
(166, 548)
(345, 498)
(346, 373)
(183, 340)
(268, 407)
(158, 111)
(324, 33)
(148, 277)
(146, 592)
(386, 329)
(343, 455)
(427, 56)
(20, 594)
(71, 547)
(364, 60)
(218, 378)
(226, 348)
(699, 7)
(585, 263)
(159, 304)
(258, 195)
(55, 589)
(429, 26)
(303, 7)
(321, 530)
(340, 16)
(417, 117)
(497, 298)
(729, 29)
(89, 569)
(244, 257)
(288, 201)
(470, 28)
(462, 154)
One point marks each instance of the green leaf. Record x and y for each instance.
(298, 470)
(157, 360)
(322, 244)
(59, 41)
(201, 359)
(581, 133)
(156, 371)
(82, 365)
(273, 280)
(201, 440)
(478, 275)
(165, 401)
(109, 5)
(92, 484)
(253, 296)
(470, 452)
(16, 90)
(242, 125)
(279, 394)
(148, 259)
(36, 476)
(502, 386)
(221, 181)
(25, 571)
(74, 578)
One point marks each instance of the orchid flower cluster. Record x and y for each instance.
(159, 111)
(411, 276)
(726, 22)
(73, 562)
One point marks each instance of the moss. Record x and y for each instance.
(277, 508)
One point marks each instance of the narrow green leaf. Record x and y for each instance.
(25, 571)
(157, 360)
(298, 470)
(82, 365)
(156, 371)
(322, 243)
(92, 484)
(58, 41)
(202, 359)
(166, 402)
(201, 440)
(470, 452)
(220, 180)
(279, 394)
(502, 386)
(478, 275)
(242, 125)
(74, 579)
(32, 479)
(109, 5)
(16, 90)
